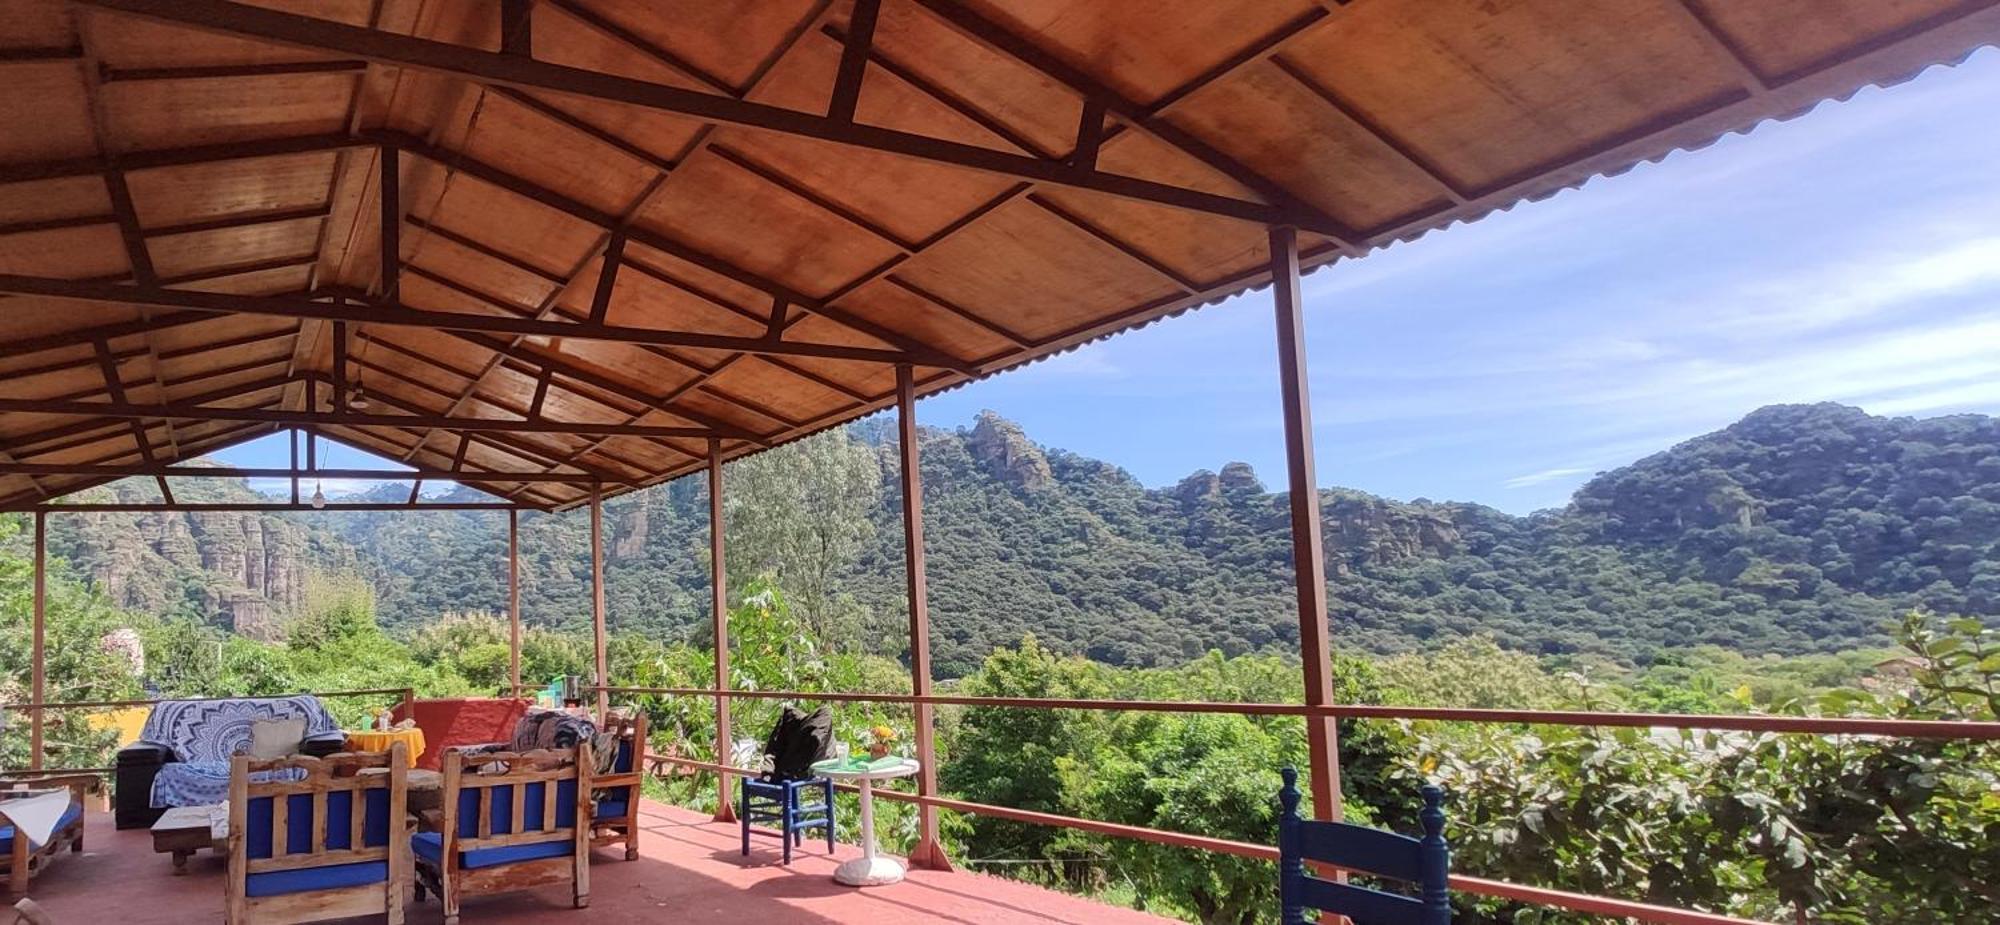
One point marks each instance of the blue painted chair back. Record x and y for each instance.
(1425, 862)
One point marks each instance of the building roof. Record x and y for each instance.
(801, 195)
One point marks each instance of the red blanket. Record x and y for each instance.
(465, 721)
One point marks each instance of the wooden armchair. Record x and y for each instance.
(330, 844)
(615, 796)
(511, 821)
(25, 859)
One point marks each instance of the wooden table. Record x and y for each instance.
(185, 830)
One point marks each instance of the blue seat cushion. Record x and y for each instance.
(331, 877)
(429, 847)
(69, 816)
(614, 804)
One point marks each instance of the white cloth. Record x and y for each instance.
(36, 816)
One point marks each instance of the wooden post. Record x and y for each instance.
(718, 615)
(1308, 561)
(514, 603)
(597, 594)
(929, 851)
(38, 680)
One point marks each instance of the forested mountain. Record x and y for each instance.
(1800, 528)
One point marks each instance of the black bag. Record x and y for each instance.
(796, 742)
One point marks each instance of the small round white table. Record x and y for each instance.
(869, 869)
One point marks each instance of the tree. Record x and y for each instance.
(1024, 759)
(79, 661)
(1205, 774)
(800, 513)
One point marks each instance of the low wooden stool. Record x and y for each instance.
(184, 830)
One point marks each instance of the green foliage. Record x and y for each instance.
(800, 514)
(1475, 673)
(79, 664)
(1206, 774)
(1837, 829)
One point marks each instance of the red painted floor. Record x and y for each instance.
(689, 871)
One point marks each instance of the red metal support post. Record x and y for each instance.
(38, 677)
(718, 615)
(597, 597)
(929, 852)
(514, 603)
(1308, 560)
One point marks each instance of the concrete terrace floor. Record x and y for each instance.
(689, 871)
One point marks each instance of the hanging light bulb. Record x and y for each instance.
(319, 498)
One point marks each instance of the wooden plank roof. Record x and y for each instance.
(630, 228)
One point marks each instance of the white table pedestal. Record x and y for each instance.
(870, 869)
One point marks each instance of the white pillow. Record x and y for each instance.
(271, 739)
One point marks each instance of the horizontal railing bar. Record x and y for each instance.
(1562, 899)
(100, 704)
(1823, 725)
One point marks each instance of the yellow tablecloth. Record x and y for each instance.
(374, 740)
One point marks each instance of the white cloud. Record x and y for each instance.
(1546, 475)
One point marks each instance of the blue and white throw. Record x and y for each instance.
(206, 734)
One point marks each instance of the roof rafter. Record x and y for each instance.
(197, 412)
(918, 352)
(528, 74)
(296, 307)
(1096, 95)
(101, 470)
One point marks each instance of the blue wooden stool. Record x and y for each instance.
(778, 802)
(1425, 862)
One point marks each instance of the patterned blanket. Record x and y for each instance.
(206, 734)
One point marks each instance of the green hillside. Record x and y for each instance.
(1801, 528)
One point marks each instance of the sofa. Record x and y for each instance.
(183, 753)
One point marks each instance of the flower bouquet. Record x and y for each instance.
(880, 740)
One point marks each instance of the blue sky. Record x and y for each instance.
(1851, 255)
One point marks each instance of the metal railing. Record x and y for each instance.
(1562, 899)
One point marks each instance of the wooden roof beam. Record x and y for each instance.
(296, 307)
(517, 445)
(200, 412)
(918, 352)
(101, 470)
(527, 74)
(180, 157)
(241, 220)
(521, 353)
(551, 364)
(1096, 94)
(18, 443)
